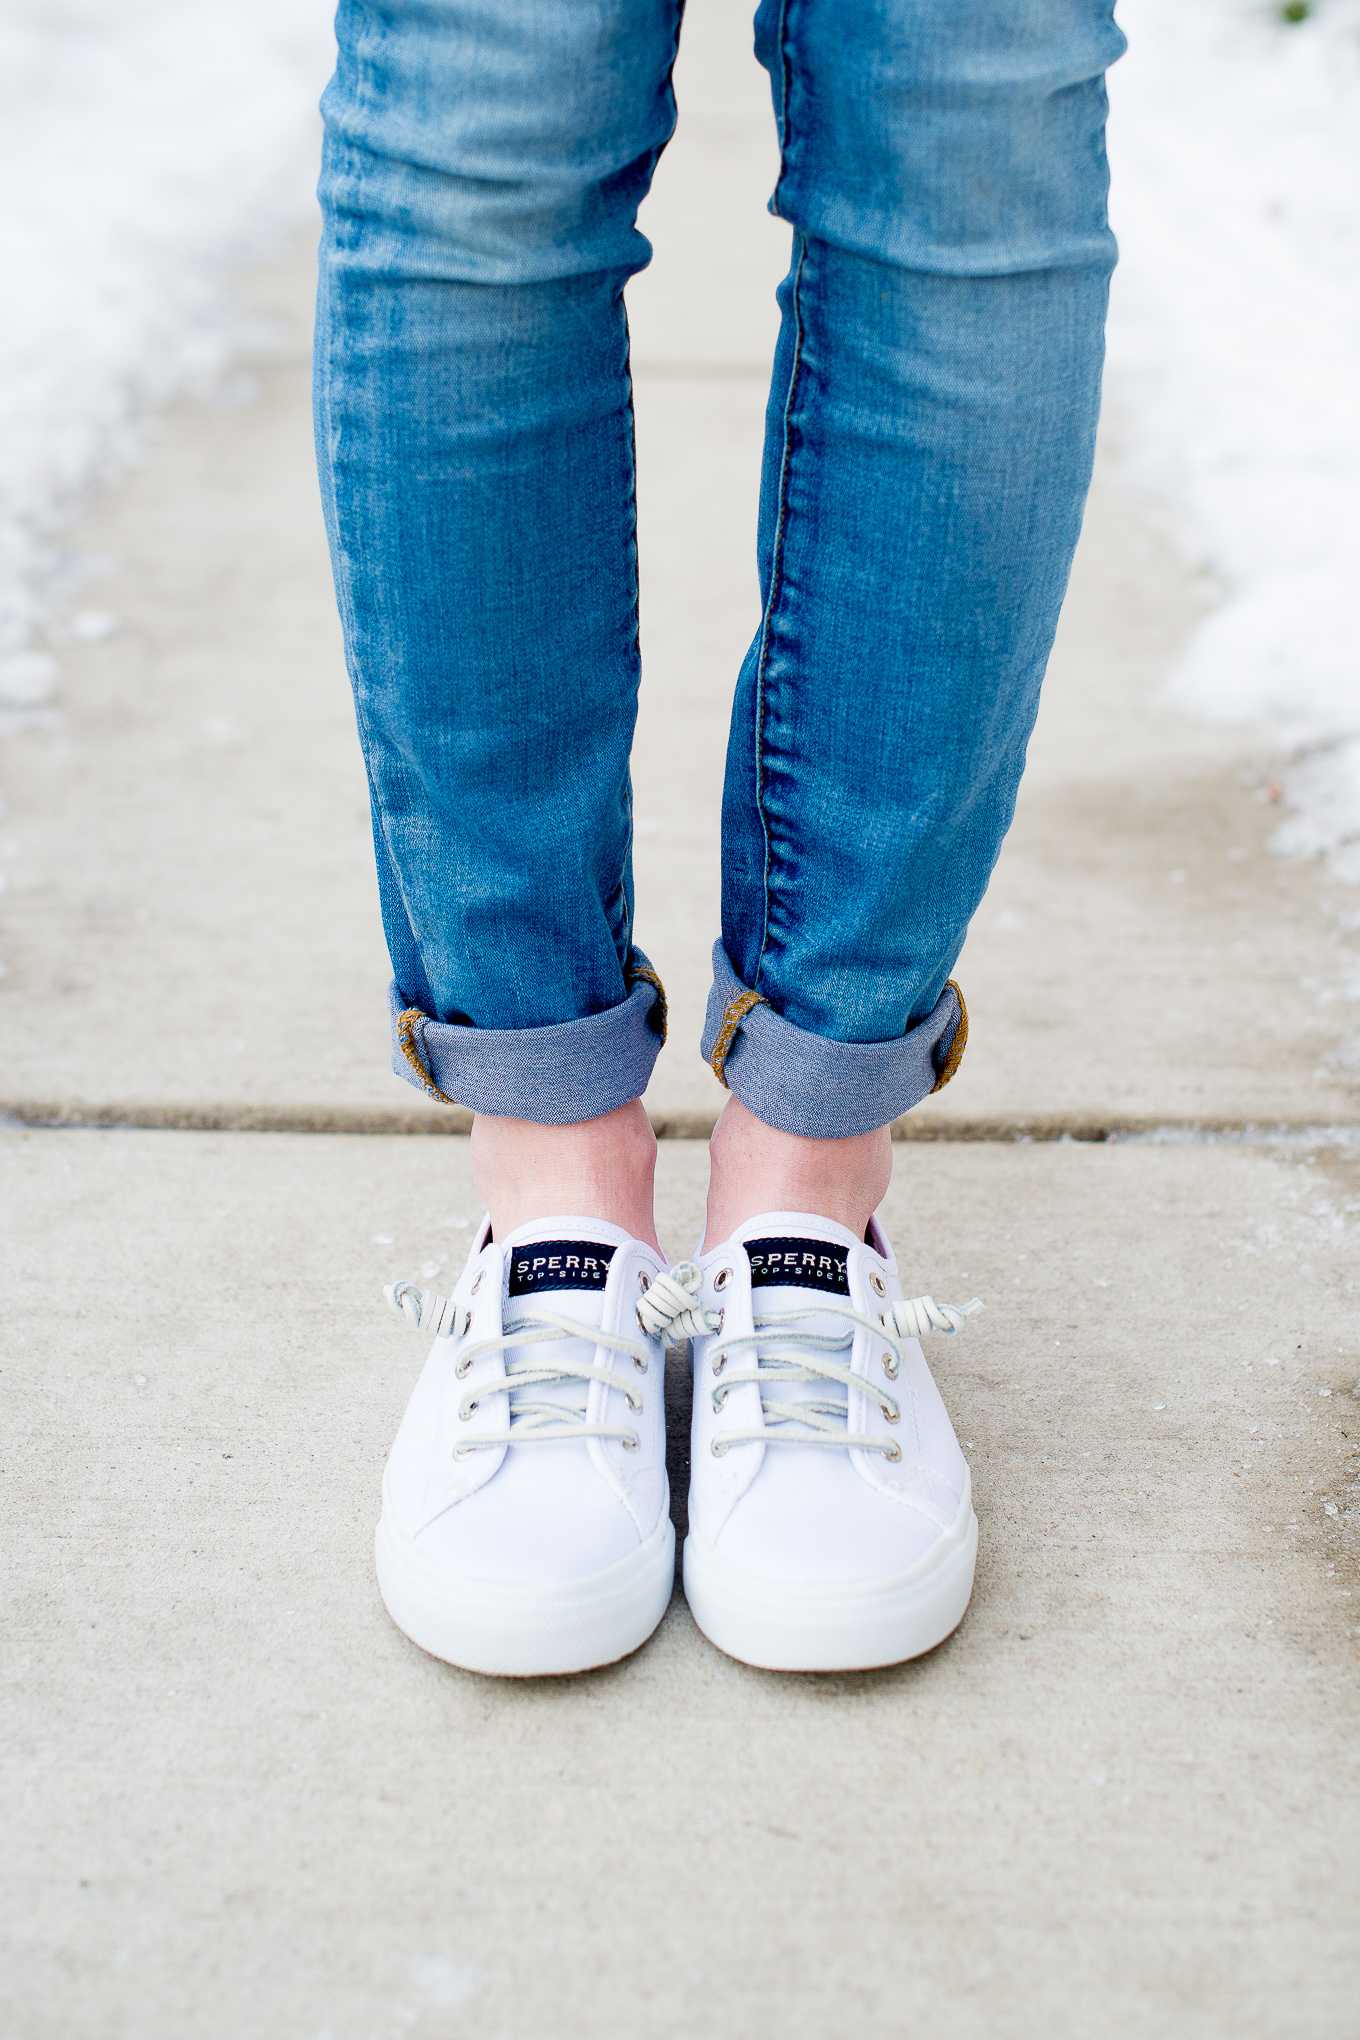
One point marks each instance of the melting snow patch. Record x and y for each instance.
(1235, 350)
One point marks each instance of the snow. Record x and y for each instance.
(148, 148)
(1235, 365)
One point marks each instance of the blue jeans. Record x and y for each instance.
(927, 454)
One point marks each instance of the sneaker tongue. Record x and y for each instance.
(564, 1258)
(798, 1261)
(798, 1264)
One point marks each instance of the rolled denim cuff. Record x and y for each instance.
(552, 1075)
(803, 1083)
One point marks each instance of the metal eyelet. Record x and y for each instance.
(463, 1367)
(720, 1396)
(718, 1447)
(880, 1287)
(722, 1278)
(720, 1363)
(893, 1452)
(891, 1367)
(635, 1402)
(478, 1283)
(463, 1415)
(630, 1442)
(641, 1365)
(718, 1327)
(644, 1281)
(892, 1416)
(462, 1451)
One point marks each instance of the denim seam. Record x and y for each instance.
(634, 971)
(776, 583)
(407, 1024)
(785, 83)
(737, 1009)
(637, 613)
(958, 1041)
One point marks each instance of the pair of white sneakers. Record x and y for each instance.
(526, 1511)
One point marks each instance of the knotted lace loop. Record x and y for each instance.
(670, 1307)
(920, 1315)
(424, 1310)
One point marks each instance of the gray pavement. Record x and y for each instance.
(1120, 1799)
(236, 1800)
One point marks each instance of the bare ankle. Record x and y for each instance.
(599, 1168)
(757, 1168)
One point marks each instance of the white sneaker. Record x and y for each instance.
(831, 1523)
(525, 1525)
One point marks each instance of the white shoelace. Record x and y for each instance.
(670, 1308)
(813, 1420)
(530, 1420)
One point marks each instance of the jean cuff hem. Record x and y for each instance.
(554, 1075)
(803, 1083)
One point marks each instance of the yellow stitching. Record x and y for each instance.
(956, 1046)
(406, 1025)
(727, 1033)
(648, 976)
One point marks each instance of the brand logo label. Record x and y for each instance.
(798, 1264)
(559, 1264)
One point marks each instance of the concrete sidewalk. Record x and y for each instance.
(237, 1801)
(1120, 1799)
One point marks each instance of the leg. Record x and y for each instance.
(928, 452)
(929, 446)
(482, 171)
(484, 162)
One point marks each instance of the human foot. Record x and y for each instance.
(831, 1520)
(755, 1168)
(604, 1167)
(525, 1525)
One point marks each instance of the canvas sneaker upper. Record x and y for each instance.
(822, 1451)
(533, 1448)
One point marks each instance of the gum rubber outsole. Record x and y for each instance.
(521, 1632)
(824, 1626)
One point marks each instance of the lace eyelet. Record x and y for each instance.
(720, 1363)
(893, 1452)
(635, 1402)
(463, 1415)
(478, 1283)
(718, 1327)
(880, 1287)
(891, 1367)
(463, 1367)
(722, 1278)
(892, 1416)
(641, 1365)
(462, 1451)
(644, 1281)
(720, 1396)
(630, 1442)
(717, 1448)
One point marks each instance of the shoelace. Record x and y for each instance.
(823, 1420)
(530, 1420)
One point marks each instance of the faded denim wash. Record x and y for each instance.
(928, 450)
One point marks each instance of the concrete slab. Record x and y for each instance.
(1120, 1799)
(191, 917)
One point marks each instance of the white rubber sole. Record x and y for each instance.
(525, 1632)
(817, 1626)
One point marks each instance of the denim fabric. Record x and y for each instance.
(928, 450)
(809, 1085)
(555, 1075)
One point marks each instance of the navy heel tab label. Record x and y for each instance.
(559, 1264)
(799, 1264)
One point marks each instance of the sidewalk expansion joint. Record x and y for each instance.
(423, 1120)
